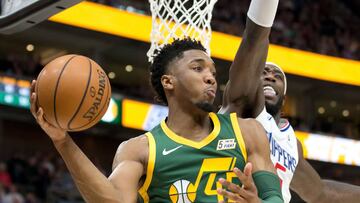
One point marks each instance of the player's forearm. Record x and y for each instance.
(268, 186)
(335, 192)
(252, 51)
(92, 184)
(251, 55)
(244, 73)
(261, 15)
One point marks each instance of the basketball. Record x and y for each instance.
(74, 92)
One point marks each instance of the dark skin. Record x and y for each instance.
(190, 80)
(240, 91)
(245, 95)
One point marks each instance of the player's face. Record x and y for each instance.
(194, 74)
(273, 84)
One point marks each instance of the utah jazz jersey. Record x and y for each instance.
(184, 171)
(283, 148)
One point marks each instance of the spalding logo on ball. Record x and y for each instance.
(74, 92)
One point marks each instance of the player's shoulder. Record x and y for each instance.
(252, 132)
(135, 149)
(249, 124)
(139, 141)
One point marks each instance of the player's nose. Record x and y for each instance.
(269, 77)
(210, 79)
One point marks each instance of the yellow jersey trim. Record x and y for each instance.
(214, 133)
(150, 168)
(239, 137)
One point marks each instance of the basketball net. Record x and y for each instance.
(177, 19)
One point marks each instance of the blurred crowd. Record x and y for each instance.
(35, 179)
(329, 27)
(20, 65)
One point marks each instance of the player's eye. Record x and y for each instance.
(278, 77)
(197, 68)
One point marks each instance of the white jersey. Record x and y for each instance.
(283, 150)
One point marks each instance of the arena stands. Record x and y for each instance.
(327, 27)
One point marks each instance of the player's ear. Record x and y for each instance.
(167, 82)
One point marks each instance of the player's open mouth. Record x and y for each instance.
(269, 91)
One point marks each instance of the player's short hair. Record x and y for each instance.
(163, 57)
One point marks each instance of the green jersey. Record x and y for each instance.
(184, 171)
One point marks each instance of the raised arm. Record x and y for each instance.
(244, 93)
(121, 187)
(306, 179)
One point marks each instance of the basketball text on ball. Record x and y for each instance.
(99, 96)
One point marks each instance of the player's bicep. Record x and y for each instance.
(119, 156)
(129, 167)
(125, 178)
(305, 179)
(259, 149)
(246, 105)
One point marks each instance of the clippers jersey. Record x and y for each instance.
(184, 171)
(283, 149)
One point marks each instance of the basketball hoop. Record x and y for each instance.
(176, 19)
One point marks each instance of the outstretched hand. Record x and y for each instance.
(247, 193)
(56, 134)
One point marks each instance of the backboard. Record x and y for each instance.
(18, 15)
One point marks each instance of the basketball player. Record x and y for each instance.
(262, 99)
(181, 158)
(286, 151)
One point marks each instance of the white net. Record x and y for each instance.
(176, 19)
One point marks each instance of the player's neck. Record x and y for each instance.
(193, 124)
(277, 117)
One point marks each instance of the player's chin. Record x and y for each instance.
(206, 105)
(210, 100)
(271, 100)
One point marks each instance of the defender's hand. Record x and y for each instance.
(56, 134)
(247, 193)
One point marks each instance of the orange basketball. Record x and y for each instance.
(74, 92)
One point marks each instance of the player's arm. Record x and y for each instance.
(259, 176)
(92, 184)
(244, 86)
(311, 188)
(122, 184)
(128, 157)
(263, 173)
